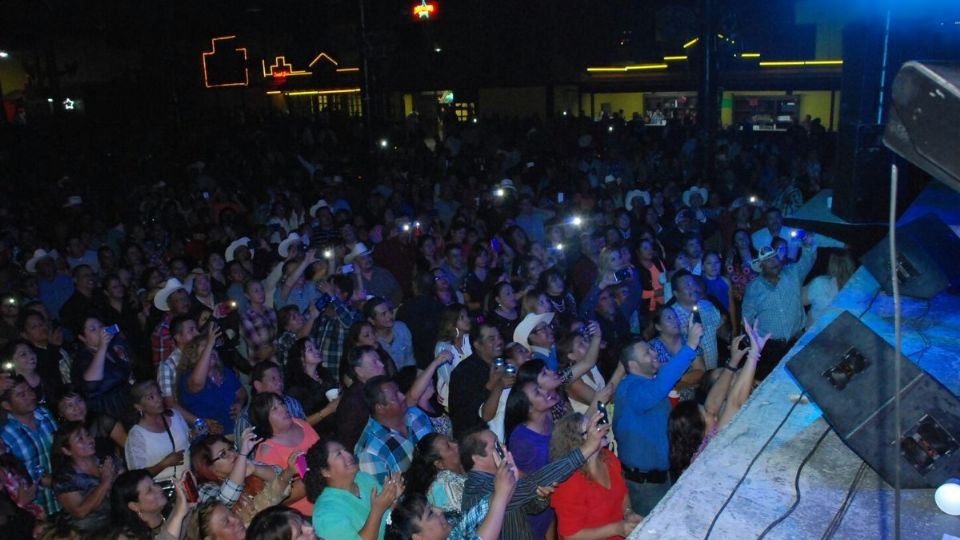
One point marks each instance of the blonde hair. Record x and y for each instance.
(841, 266)
(566, 435)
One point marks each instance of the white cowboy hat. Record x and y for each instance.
(38, 256)
(766, 252)
(701, 191)
(188, 283)
(160, 300)
(284, 248)
(522, 333)
(73, 200)
(232, 248)
(507, 183)
(317, 206)
(633, 194)
(359, 249)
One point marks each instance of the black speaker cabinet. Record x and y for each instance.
(924, 125)
(848, 370)
(928, 259)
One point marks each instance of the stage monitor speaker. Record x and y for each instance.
(848, 370)
(924, 120)
(928, 259)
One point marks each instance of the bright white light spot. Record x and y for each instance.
(383, 143)
(577, 221)
(500, 192)
(947, 497)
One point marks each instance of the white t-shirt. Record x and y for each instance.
(444, 371)
(145, 448)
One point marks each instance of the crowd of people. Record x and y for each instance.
(518, 330)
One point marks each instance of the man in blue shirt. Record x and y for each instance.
(642, 410)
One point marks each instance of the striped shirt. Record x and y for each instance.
(525, 501)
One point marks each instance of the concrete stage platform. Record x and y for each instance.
(931, 339)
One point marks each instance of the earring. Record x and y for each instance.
(140, 412)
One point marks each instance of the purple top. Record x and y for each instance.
(531, 452)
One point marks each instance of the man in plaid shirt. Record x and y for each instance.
(259, 321)
(387, 443)
(173, 299)
(28, 434)
(331, 328)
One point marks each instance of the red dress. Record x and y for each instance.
(584, 504)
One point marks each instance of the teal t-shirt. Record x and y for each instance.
(341, 514)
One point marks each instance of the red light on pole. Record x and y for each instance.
(425, 10)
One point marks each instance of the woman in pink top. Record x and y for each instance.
(282, 435)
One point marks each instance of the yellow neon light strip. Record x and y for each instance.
(794, 63)
(323, 92)
(322, 55)
(750, 55)
(348, 70)
(673, 58)
(272, 92)
(624, 69)
(691, 43)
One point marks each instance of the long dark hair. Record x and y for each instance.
(518, 408)
(125, 491)
(447, 329)
(422, 470)
(274, 523)
(260, 413)
(685, 430)
(405, 517)
(61, 439)
(318, 457)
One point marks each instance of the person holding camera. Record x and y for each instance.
(643, 407)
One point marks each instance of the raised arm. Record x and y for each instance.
(425, 377)
(198, 376)
(743, 382)
(94, 371)
(288, 283)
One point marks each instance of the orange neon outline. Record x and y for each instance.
(212, 51)
(424, 10)
(348, 70)
(323, 55)
(286, 68)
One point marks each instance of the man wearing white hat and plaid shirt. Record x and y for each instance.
(775, 300)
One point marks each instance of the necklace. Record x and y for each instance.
(559, 306)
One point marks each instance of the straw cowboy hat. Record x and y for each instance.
(688, 194)
(38, 256)
(766, 252)
(317, 206)
(232, 248)
(633, 194)
(522, 333)
(160, 301)
(358, 250)
(284, 248)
